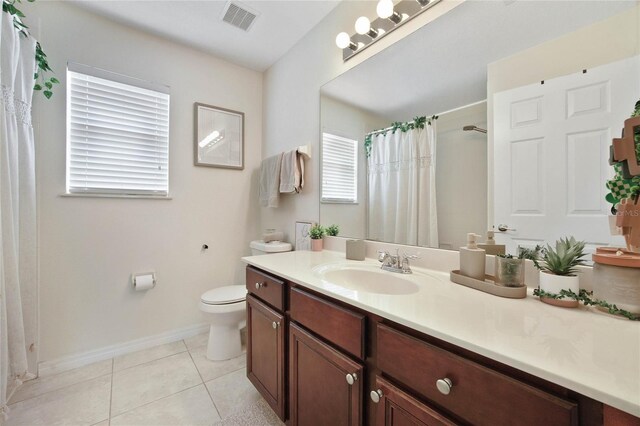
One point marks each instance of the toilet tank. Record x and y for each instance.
(259, 247)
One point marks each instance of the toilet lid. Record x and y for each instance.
(225, 295)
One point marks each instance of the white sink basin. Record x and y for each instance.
(367, 278)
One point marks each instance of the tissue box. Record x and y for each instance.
(355, 249)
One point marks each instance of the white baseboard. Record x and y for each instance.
(59, 365)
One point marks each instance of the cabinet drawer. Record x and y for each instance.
(395, 407)
(266, 287)
(479, 395)
(336, 324)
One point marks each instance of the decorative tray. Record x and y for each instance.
(489, 286)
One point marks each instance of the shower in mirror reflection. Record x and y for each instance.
(474, 129)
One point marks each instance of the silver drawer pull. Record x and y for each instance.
(275, 324)
(351, 378)
(259, 286)
(376, 395)
(444, 385)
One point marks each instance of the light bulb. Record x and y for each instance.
(385, 8)
(343, 40)
(363, 25)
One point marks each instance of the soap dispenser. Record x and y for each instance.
(490, 246)
(472, 259)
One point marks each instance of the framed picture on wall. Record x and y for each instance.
(303, 239)
(219, 137)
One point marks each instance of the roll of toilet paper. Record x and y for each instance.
(142, 282)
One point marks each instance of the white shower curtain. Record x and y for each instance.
(402, 187)
(18, 303)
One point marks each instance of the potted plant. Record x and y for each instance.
(559, 281)
(316, 233)
(332, 230)
(509, 270)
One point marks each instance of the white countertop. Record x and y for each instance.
(582, 349)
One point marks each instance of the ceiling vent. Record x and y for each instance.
(239, 15)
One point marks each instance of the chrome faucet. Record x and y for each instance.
(398, 263)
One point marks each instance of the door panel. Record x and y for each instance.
(551, 152)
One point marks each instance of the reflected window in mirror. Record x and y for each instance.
(339, 169)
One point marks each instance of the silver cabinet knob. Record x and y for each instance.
(259, 286)
(275, 324)
(351, 378)
(444, 385)
(376, 395)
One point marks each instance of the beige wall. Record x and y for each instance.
(353, 123)
(88, 247)
(604, 42)
(461, 176)
(292, 98)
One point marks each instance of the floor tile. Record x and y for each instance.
(232, 393)
(146, 355)
(41, 385)
(197, 340)
(148, 382)
(257, 414)
(84, 403)
(210, 370)
(190, 407)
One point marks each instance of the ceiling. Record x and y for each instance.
(278, 27)
(443, 65)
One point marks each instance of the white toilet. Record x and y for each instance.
(225, 308)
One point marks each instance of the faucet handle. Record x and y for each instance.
(382, 255)
(406, 256)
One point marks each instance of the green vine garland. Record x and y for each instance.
(584, 297)
(416, 123)
(9, 6)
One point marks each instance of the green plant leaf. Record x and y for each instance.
(37, 87)
(48, 84)
(54, 80)
(48, 94)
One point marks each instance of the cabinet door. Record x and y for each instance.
(266, 353)
(325, 386)
(397, 408)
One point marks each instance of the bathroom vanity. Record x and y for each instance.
(435, 354)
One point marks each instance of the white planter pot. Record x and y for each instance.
(554, 284)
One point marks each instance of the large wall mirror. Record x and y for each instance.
(527, 95)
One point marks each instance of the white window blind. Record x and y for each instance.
(117, 134)
(339, 169)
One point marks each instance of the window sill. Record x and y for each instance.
(132, 196)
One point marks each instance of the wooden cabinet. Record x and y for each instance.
(477, 394)
(266, 353)
(325, 385)
(316, 360)
(395, 407)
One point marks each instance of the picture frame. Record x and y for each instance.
(218, 137)
(302, 237)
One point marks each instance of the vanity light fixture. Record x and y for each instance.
(363, 26)
(343, 41)
(390, 17)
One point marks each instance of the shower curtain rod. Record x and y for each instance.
(386, 129)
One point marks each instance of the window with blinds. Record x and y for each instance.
(339, 169)
(117, 134)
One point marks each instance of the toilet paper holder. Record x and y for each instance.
(143, 281)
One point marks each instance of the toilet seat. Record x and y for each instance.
(224, 295)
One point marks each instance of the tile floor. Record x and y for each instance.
(172, 384)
